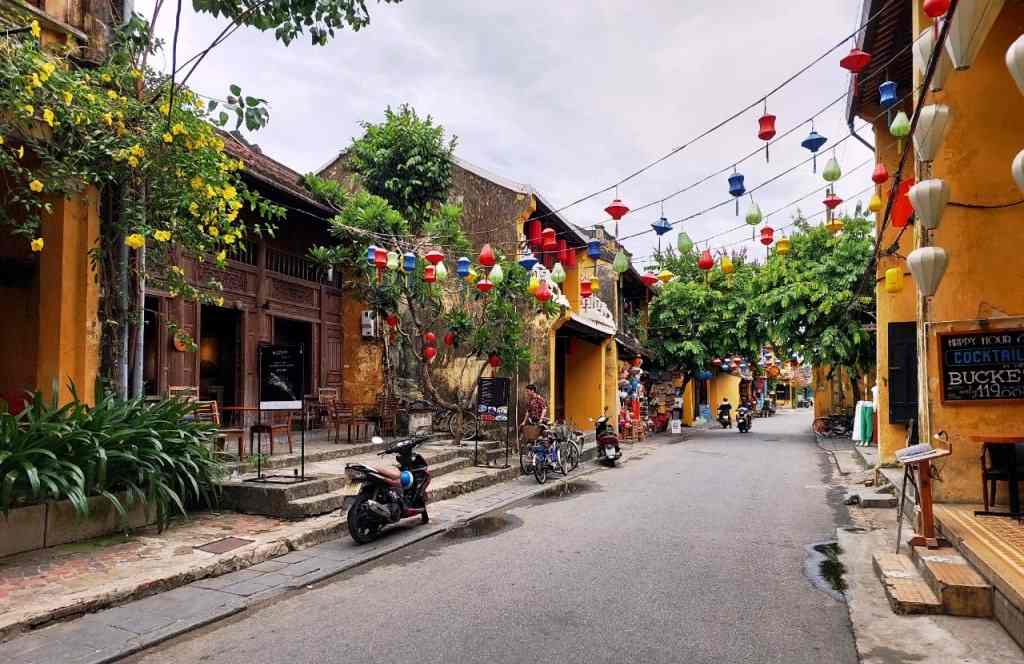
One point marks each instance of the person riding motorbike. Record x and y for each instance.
(725, 412)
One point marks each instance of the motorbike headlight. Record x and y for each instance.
(355, 474)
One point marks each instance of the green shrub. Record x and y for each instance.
(153, 452)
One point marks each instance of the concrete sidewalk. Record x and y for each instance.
(114, 633)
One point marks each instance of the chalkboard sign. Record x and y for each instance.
(492, 400)
(282, 375)
(982, 366)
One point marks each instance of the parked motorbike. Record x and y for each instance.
(744, 418)
(388, 494)
(608, 451)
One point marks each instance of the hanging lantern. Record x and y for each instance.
(548, 241)
(902, 210)
(928, 264)
(923, 48)
(409, 262)
(875, 204)
(484, 286)
(665, 276)
(392, 260)
(533, 284)
(931, 130)
(684, 244)
(380, 260)
(900, 129)
(1015, 62)
(434, 257)
(392, 319)
(462, 267)
(543, 293)
(449, 339)
(814, 142)
(497, 275)
(429, 353)
(472, 276)
(532, 233)
(706, 261)
(832, 171)
(929, 199)
(894, 280)
(717, 361)
(767, 235)
(736, 188)
(585, 290)
(783, 246)
(766, 129)
(527, 260)
(563, 251)
(429, 274)
(621, 262)
(727, 265)
(570, 258)
(832, 201)
(616, 209)
(494, 361)
(441, 272)
(881, 174)
(887, 94)
(754, 216)
(649, 279)
(594, 249)
(486, 256)
(935, 9)
(429, 338)
(371, 255)
(969, 28)
(595, 284)
(558, 274)
(833, 226)
(1017, 169)
(855, 62)
(661, 226)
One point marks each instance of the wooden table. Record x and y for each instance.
(986, 439)
(922, 465)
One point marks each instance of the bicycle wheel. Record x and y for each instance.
(470, 425)
(540, 471)
(525, 458)
(821, 426)
(563, 457)
(573, 455)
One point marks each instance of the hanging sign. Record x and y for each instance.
(492, 399)
(982, 366)
(282, 375)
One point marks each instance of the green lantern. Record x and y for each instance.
(392, 260)
(684, 243)
(497, 274)
(832, 171)
(440, 272)
(900, 129)
(558, 273)
(621, 262)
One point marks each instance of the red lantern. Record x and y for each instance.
(832, 202)
(881, 174)
(549, 259)
(430, 353)
(936, 8)
(392, 320)
(434, 257)
(585, 289)
(649, 279)
(548, 242)
(717, 361)
(766, 129)
(429, 274)
(380, 258)
(430, 338)
(570, 258)
(487, 256)
(616, 209)
(563, 252)
(902, 210)
(494, 361)
(543, 293)
(532, 233)
(855, 62)
(706, 260)
(767, 235)
(484, 286)
(449, 339)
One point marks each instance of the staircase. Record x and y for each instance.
(933, 581)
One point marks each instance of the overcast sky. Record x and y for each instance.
(566, 95)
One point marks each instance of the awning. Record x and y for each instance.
(632, 347)
(586, 329)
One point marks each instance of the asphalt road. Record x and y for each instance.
(697, 553)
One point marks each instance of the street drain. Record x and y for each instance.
(824, 569)
(484, 526)
(224, 545)
(855, 529)
(567, 489)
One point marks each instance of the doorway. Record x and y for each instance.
(220, 353)
(290, 332)
(151, 351)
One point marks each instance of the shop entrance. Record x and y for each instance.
(291, 332)
(220, 354)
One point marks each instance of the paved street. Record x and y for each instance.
(696, 553)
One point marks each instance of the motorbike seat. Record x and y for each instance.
(392, 475)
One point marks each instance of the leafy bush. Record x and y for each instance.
(151, 452)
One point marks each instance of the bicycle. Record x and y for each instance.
(443, 418)
(571, 441)
(835, 425)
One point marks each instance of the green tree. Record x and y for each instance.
(290, 18)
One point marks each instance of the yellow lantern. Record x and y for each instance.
(595, 285)
(834, 225)
(665, 276)
(727, 266)
(533, 285)
(894, 280)
(875, 204)
(783, 246)
(472, 276)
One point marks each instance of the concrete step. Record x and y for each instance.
(908, 593)
(323, 503)
(878, 499)
(322, 454)
(961, 589)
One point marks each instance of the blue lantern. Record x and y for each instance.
(704, 375)
(409, 262)
(661, 226)
(814, 142)
(371, 255)
(462, 267)
(736, 188)
(527, 260)
(887, 94)
(594, 249)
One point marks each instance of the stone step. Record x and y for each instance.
(323, 503)
(878, 499)
(322, 454)
(961, 589)
(908, 593)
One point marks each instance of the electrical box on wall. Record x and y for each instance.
(369, 324)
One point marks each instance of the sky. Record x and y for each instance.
(568, 96)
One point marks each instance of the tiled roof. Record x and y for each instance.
(271, 172)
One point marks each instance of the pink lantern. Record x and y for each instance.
(616, 209)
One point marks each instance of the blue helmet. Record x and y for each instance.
(406, 479)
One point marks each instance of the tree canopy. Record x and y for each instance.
(290, 18)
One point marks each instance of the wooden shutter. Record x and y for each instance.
(902, 372)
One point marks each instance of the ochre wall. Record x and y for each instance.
(361, 369)
(982, 285)
(724, 385)
(611, 381)
(584, 378)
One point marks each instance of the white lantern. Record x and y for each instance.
(929, 199)
(922, 54)
(972, 21)
(931, 131)
(928, 264)
(1015, 62)
(1018, 169)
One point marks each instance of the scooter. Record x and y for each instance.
(608, 451)
(388, 494)
(744, 418)
(724, 418)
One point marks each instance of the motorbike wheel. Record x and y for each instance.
(540, 472)
(362, 526)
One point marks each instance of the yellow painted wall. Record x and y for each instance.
(724, 385)
(611, 381)
(985, 273)
(362, 374)
(584, 381)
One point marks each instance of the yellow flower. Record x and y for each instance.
(222, 256)
(133, 161)
(229, 238)
(108, 118)
(193, 208)
(137, 150)
(136, 73)
(112, 94)
(214, 231)
(210, 191)
(177, 270)
(68, 97)
(229, 192)
(168, 138)
(36, 30)
(29, 109)
(36, 186)
(219, 301)
(48, 69)
(197, 182)
(90, 96)
(165, 108)
(1, 140)
(105, 78)
(162, 236)
(37, 244)
(178, 128)
(21, 151)
(135, 241)
(48, 116)
(34, 82)
(232, 215)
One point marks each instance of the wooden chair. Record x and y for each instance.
(996, 462)
(207, 411)
(281, 422)
(343, 414)
(388, 407)
(186, 392)
(325, 396)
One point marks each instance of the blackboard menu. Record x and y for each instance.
(492, 399)
(981, 366)
(282, 374)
